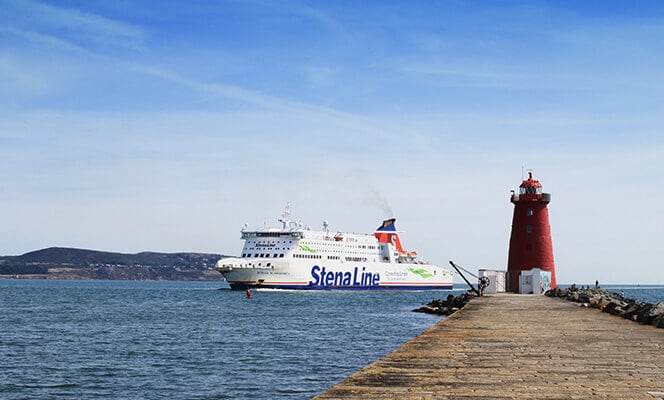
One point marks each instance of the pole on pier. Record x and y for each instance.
(464, 278)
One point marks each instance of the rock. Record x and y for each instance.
(603, 304)
(615, 304)
(643, 316)
(632, 311)
(557, 292)
(446, 307)
(610, 306)
(656, 313)
(661, 323)
(657, 310)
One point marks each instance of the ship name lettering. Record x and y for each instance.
(322, 277)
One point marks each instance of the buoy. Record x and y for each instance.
(249, 293)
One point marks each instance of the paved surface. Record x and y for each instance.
(509, 346)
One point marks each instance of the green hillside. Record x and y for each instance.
(62, 262)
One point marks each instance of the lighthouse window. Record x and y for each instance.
(529, 212)
(529, 229)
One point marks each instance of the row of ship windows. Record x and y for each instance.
(317, 244)
(336, 244)
(356, 259)
(360, 246)
(307, 256)
(314, 256)
(370, 253)
(270, 241)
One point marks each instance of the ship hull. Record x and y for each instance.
(370, 276)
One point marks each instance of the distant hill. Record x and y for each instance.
(70, 263)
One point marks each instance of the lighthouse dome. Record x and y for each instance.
(530, 182)
(530, 186)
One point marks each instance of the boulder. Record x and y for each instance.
(557, 292)
(643, 316)
(660, 324)
(657, 310)
(615, 304)
(446, 307)
(632, 311)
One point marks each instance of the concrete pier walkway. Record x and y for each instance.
(509, 346)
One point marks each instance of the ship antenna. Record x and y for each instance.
(285, 217)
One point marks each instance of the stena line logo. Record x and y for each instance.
(321, 277)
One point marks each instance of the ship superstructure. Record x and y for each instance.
(296, 257)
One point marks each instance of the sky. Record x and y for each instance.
(166, 126)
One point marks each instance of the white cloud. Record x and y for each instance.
(34, 19)
(190, 180)
(141, 174)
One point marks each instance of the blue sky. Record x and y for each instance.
(139, 125)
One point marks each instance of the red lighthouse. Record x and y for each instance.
(530, 241)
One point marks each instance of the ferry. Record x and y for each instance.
(296, 257)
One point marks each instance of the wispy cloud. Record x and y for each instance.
(48, 41)
(62, 26)
(435, 109)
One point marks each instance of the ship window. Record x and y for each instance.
(281, 255)
(529, 212)
(275, 255)
(529, 229)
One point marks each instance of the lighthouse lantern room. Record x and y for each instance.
(531, 250)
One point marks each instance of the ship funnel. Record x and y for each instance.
(387, 233)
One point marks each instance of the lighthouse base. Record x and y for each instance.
(533, 281)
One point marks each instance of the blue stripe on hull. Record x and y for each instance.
(362, 288)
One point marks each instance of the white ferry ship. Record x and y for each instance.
(296, 257)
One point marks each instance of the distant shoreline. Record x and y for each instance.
(72, 263)
(203, 276)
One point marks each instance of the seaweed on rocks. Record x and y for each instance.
(614, 303)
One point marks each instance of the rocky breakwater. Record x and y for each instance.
(613, 303)
(448, 306)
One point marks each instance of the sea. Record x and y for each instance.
(199, 340)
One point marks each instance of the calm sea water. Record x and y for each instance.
(190, 340)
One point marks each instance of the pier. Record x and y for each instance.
(509, 346)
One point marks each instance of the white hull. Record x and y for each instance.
(316, 276)
(296, 257)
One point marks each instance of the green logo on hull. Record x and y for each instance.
(421, 272)
(306, 248)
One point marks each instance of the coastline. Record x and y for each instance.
(124, 274)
